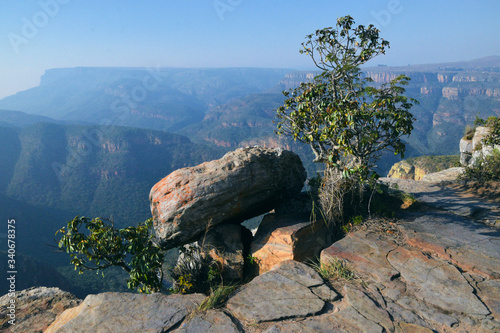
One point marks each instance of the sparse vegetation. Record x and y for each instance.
(217, 297)
(335, 269)
(194, 272)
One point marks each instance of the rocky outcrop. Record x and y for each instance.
(34, 309)
(288, 237)
(418, 168)
(427, 274)
(244, 183)
(126, 312)
(405, 170)
(289, 290)
(473, 150)
(227, 244)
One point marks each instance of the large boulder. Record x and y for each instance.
(34, 309)
(126, 312)
(244, 183)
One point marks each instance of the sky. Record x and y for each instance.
(36, 35)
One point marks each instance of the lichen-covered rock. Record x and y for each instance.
(244, 183)
(35, 309)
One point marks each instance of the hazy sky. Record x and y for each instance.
(42, 34)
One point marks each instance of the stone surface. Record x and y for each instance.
(225, 244)
(244, 183)
(446, 198)
(126, 312)
(319, 324)
(443, 176)
(405, 170)
(211, 321)
(490, 295)
(285, 237)
(470, 246)
(436, 283)
(352, 321)
(35, 308)
(274, 295)
(369, 309)
(365, 252)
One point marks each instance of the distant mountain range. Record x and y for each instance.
(162, 99)
(235, 106)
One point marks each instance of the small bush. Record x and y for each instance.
(487, 169)
(469, 132)
(217, 297)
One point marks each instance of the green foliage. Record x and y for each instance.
(130, 248)
(487, 169)
(347, 123)
(251, 260)
(493, 138)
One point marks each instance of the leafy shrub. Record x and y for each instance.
(487, 169)
(132, 248)
(494, 137)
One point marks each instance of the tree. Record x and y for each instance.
(347, 122)
(131, 248)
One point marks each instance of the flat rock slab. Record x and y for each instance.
(244, 183)
(288, 237)
(275, 295)
(126, 312)
(365, 252)
(470, 245)
(319, 324)
(211, 321)
(36, 308)
(436, 282)
(368, 308)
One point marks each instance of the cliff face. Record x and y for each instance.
(417, 167)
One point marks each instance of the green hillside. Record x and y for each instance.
(50, 173)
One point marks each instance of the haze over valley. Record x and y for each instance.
(101, 100)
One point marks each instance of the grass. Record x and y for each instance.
(216, 299)
(335, 269)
